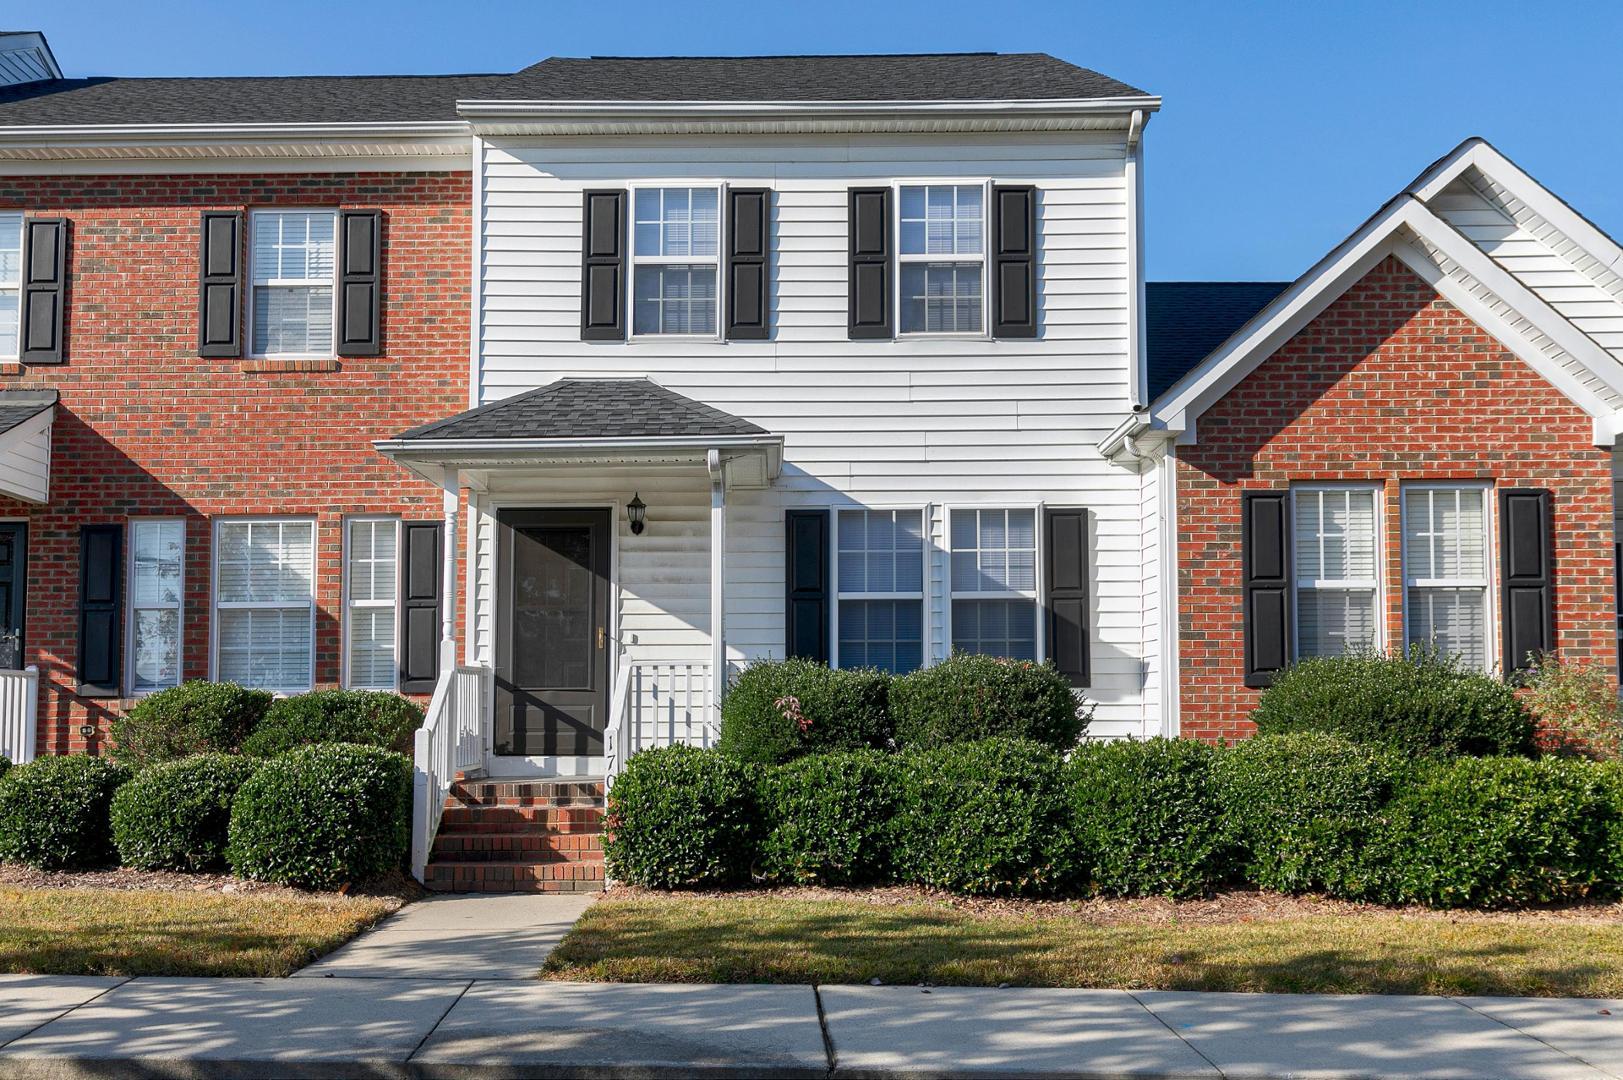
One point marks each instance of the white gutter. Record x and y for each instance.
(489, 109)
(448, 447)
(84, 132)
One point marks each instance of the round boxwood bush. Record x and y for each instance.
(1422, 704)
(970, 697)
(54, 812)
(680, 816)
(365, 717)
(1301, 809)
(830, 817)
(780, 709)
(1147, 817)
(176, 815)
(986, 817)
(1495, 832)
(192, 718)
(320, 816)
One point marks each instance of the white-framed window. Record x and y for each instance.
(157, 591)
(11, 283)
(994, 581)
(294, 267)
(879, 599)
(1447, 551)
(675, 260)
(264, 602)
(1336, 564)
(941, 258)
(371, 602)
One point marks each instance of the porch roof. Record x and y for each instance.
(25, 443)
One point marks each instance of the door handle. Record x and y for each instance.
(600, 637)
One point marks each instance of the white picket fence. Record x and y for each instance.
(19, 714)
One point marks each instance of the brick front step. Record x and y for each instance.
(516, 848)
(492, 792)
(560, 819)
(514, 877)
(519, 836)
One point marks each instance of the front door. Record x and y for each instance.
(13, 577)
(552, 588)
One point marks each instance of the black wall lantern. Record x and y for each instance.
(636, 513)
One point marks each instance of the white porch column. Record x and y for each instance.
(452, 502)
(718, 571)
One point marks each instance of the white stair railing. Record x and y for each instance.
(19, 714)
(659, 703)
(451, 741)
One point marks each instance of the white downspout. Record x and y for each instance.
(718, 570)
(1138, 389)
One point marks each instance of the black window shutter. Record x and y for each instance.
(749, 231)
(1065, 601)
(1265, 573)
(1014, 261)
(806, 562)
(45, 285)
(360, 283)
(871, 312)
(603, 267)
(219, 303)
(1524, 553)
(421, 573)
(101, 572)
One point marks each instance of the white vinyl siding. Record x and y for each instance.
(11, 274)
(942, 258)
(264, 619)
(294, 265)
(879, 570)
(675, 260)
(1446, 553)
(1337, 585)
(371, 601)
(994, 582)
(156, 591)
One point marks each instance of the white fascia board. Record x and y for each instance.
(172, 143)
(73, 133)
(497, 108)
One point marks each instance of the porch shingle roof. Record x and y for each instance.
(17, 406)
(589, 409)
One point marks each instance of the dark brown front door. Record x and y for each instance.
(13, 581)
(552, 628)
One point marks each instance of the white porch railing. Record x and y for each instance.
(659, 703)
(450, 741)
(19, 714)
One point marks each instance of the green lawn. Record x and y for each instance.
(154, 932)
(652, 937)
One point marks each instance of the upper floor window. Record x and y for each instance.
(675, 260)
(1336, 572)
(294, 266)
(11, 273)
(1446, 570)
(942, 259)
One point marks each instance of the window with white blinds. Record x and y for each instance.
(156, 590)
(942, 258)
(372, 555)
(1336, 570)
(294, 264)
(994, 582)
(264, 610)
(1446, 552)
(675, 257)
(879, 569)
(11, 276)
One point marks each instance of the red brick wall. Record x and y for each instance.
(1390, 384)
(146, 427)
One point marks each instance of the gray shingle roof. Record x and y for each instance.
(1186, 320)
(589, 409)
(417, 98)
(16, 406)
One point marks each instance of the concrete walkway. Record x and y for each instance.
(408, 1027)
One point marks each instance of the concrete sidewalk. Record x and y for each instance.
(381, 1027)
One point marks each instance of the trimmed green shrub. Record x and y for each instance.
(679, 816)
(970, 697)
(830, 817)
(1300, 809)
(1421, 704)
(176, 815)
(1493, 832)
(780, 709)
(54, 812)
(192, 718)
(5, 766)
(364, 717)
(320, 816)
(1147, 817)
(986, 817)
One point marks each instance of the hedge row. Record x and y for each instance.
(1294, 813)
(779, 710)
(315, 817)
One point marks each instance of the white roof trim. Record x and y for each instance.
(450, 139)
(429, 457)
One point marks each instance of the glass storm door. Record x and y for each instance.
(552, 632)
(13, 580)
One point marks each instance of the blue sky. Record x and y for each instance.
(1283, 125)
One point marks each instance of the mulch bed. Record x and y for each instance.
(125, 879)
